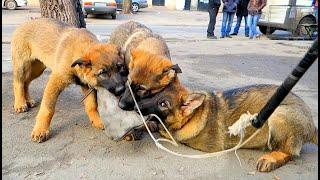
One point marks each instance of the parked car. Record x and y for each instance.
(13, 4)
(108, 7)
(287, 15)
(136, 4)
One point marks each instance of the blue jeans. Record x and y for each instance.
(237, 27)
(252, 24)
(226, 23)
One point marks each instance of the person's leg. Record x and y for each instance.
(254, 24)
(210, 30)
(223, 26)
(246, 27)
(237, 27)
(230, 20)
(250, 25)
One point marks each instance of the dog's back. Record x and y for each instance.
(44, 38)
(121, 34)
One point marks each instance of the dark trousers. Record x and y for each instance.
(212, 23)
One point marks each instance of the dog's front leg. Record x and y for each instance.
(56, 84)
(91, 107)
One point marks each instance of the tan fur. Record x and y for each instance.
(288, 128)
(46, 43)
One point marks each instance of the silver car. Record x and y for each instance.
(108, 7)
(136, 4)
(13, 4)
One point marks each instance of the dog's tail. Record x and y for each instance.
(314, 139)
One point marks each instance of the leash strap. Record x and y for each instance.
(87, 94)
(287, 85)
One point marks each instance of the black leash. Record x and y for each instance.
(287, 85)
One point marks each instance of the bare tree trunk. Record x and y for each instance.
(69, 11)
(126, 8)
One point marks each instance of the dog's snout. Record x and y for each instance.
(119, 90)
(124, 105)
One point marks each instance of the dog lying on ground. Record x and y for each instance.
(74, 56)
(201, 120)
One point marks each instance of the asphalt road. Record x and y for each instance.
(75, 150)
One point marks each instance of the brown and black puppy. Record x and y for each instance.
(74, 56)
(148, 73)
(201, 120)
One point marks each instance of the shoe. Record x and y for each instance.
(212, 37)
(234, 34)
(247, 35)
(228, 36)
(221, 36)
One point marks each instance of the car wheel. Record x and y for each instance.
(135, 7)
(264, 30)
(301, 31)
(114, 16)
(11, 4)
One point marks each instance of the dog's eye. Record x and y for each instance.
(164, 104)
(104, 72)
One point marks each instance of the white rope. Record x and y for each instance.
(238, 128)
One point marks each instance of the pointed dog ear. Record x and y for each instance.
(176, 68)
(81, 62)
(193, 101)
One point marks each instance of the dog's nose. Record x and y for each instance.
(119, 90)
(124, 106)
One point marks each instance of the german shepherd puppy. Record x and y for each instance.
(201, 120)
(74, 56)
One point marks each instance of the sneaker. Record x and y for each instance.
(247, 35)
(234, 34)
(228, 36)
(212, 37)
(221, 36)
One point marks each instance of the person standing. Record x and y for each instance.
(315, 8)
(254, 13)
(213, 11)
(242, 12)
(229, 9)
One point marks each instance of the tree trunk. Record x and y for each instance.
(69, 11)
(126, 8)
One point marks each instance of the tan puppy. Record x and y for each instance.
(74, 56)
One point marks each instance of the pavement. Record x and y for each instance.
(76, 150)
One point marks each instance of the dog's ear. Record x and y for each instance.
(193, 101)
(176, 68)
(81, 63)
(170, 73)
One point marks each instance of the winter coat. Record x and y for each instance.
(255, 6)
(230, 5)
(214, 3)
(242, 8)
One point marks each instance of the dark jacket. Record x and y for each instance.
(242, 8)
(230, 5)
(214, 3)
(255, 6)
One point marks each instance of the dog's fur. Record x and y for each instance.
(73, 55)
(138, 45)
(201, 120)
(133, 35)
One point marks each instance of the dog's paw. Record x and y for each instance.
(98, 125)
(31, 103)
(271, 161)
(39, 135)
(267, 164)
(19, 108)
